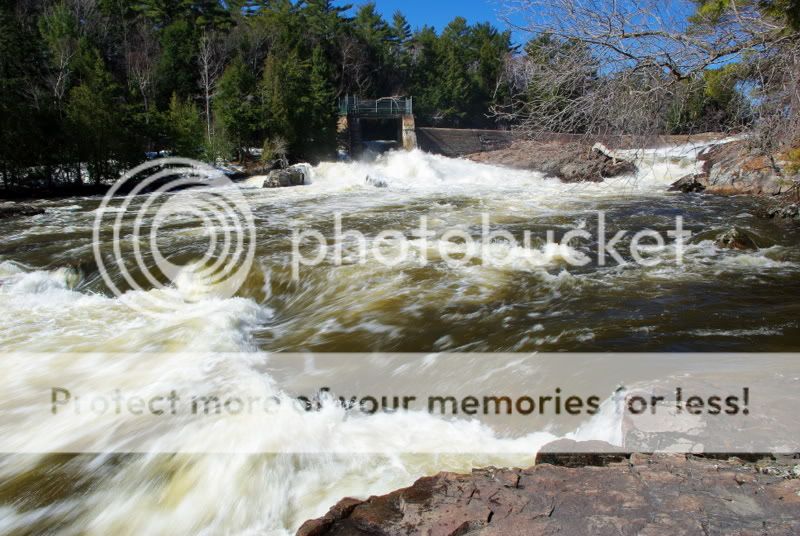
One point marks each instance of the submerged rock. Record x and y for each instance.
(736, 238)
(659, 495)
(377, 182)
(692, 183)
(10, 210)
(786, 212)
(733, 238)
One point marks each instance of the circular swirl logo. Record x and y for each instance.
(176, 230)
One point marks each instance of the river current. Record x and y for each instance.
(53, 300)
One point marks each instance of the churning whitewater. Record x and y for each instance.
(55, 302)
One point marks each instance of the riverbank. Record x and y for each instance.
(725, 166)
(641, 494)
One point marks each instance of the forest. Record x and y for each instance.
(89, 87)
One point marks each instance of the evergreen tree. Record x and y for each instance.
(236, 106)
(95, 123)
(322, 134)
(185, 127)
(94, 89)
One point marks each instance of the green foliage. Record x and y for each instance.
(176, 71)
(713, 10)
(236, 106)
(275, 150)
(186, 128)
(94, 90)
(709, 103)
(95, 122)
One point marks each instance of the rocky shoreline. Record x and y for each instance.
(568, 161)
(731, 167)
(656, 495)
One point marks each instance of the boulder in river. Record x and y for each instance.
(692, 183)
(282, 178)
(10, 210)
(786, 212)
(658, 495)
(736, 238)
(377, 182)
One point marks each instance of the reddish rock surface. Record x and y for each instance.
(734, 169)
(644, 495)
(570, 162)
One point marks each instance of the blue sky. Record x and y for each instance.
(438, 13)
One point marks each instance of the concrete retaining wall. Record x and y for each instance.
(460, 142)
(456, 142)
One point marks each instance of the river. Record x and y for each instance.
(54, 300)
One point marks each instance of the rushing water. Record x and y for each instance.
(53, 299)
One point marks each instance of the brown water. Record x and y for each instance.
(53, 299)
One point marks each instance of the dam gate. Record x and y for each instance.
(375, 124)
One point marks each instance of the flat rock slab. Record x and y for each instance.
(10, 210)
(645, 495)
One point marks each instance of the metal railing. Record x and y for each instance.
(383, 107)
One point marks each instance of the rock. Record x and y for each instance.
(377, 182)
(318, 527)
(792, 211)
(10, 210)
(282, 178)
(733, 238)
(736, 168)
(601, 163)
(736, 238)
(692, 183)
(774, 212)
(659, 495)
(569, 162)
(570, 453)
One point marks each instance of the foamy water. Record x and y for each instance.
(54, 302)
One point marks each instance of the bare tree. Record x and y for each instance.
(354, 66)
(141, 62)
(775, 80)
(211, 61)
(608, 66)
(60, 32)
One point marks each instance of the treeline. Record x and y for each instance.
(643, 68)
(88, 87)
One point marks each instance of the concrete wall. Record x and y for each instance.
(409, 133)
(460, 142)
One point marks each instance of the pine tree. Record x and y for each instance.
(236, 105)
(185, 127)
(94, 116)
(321, 103)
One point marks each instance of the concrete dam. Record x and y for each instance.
(388, 123)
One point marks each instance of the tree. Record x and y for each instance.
(236, 105)
(91, 85)
(284, 96)
(210, 61)
(651, 52)
(141, 61)
(176, 69)
(322, 133)
(59, 30)
(95, 122)
(185, 127)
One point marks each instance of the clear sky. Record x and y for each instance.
(438, 13)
